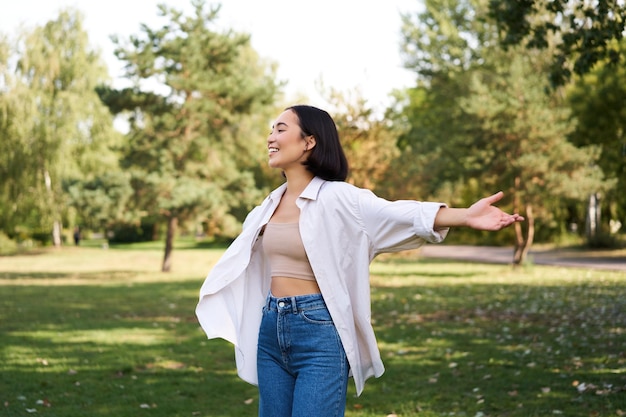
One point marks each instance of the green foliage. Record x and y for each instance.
(481, 121)
(585, 33)
(52, 124)
(109, 335)
(121, 232)
(597, 103)
(522, 137)
(101, 201)
(193, 134)
(442, 45)
(7, 245)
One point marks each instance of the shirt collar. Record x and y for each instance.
(310, 192)
(278, 192)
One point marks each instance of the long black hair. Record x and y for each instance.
(327, 159)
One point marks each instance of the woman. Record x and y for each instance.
(292, 291)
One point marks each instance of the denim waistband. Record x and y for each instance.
(296, 303)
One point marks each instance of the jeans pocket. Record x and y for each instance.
(317, 316)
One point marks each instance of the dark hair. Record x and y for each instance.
(327, 159)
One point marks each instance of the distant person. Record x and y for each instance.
(292, 291)
(76, 236)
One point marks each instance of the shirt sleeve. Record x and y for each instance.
(394, 226)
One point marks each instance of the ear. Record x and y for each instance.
(310, 142)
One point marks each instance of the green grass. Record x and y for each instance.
(92, 332)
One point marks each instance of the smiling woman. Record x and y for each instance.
(292, 291)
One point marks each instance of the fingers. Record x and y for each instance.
(494, 198)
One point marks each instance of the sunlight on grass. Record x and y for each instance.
(123, 336)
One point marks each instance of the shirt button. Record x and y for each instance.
(281, 304)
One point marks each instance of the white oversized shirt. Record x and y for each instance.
(343, 228)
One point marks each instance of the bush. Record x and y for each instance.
(133, 233)
(7, 246)
(603, 240)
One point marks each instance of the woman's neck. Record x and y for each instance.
(297, 182)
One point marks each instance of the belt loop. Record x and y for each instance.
(294, 307)
(268, 301)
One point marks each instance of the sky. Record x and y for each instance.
(345, 44)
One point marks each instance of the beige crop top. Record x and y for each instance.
(282, 245)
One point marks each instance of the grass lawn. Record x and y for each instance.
(93, 332)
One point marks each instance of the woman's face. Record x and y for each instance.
(286, 146)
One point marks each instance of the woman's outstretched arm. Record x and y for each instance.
(482, 215)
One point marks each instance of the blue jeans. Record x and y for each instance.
(301, 363)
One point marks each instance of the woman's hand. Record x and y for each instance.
(482, 215)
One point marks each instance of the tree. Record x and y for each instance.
(193, 137)
(101, 202)
(481, 119)
(367, 140)
(521, 141)
(585, 32)
(597, 102)
(52, 123)
(441, 45)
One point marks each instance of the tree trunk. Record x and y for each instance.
(519, 244)
(522, 246)
(56, 234)
(519, 231)
(172, 223)
(56, 225)
(593, 217)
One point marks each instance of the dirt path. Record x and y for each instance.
(610, 260)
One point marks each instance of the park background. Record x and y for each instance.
(158, 152)
(504, 96)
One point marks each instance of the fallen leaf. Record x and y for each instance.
(249, 401)
(45, 402)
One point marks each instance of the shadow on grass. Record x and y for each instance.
(84, 276)
(180, 244)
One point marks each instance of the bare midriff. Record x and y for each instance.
(289, 287)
